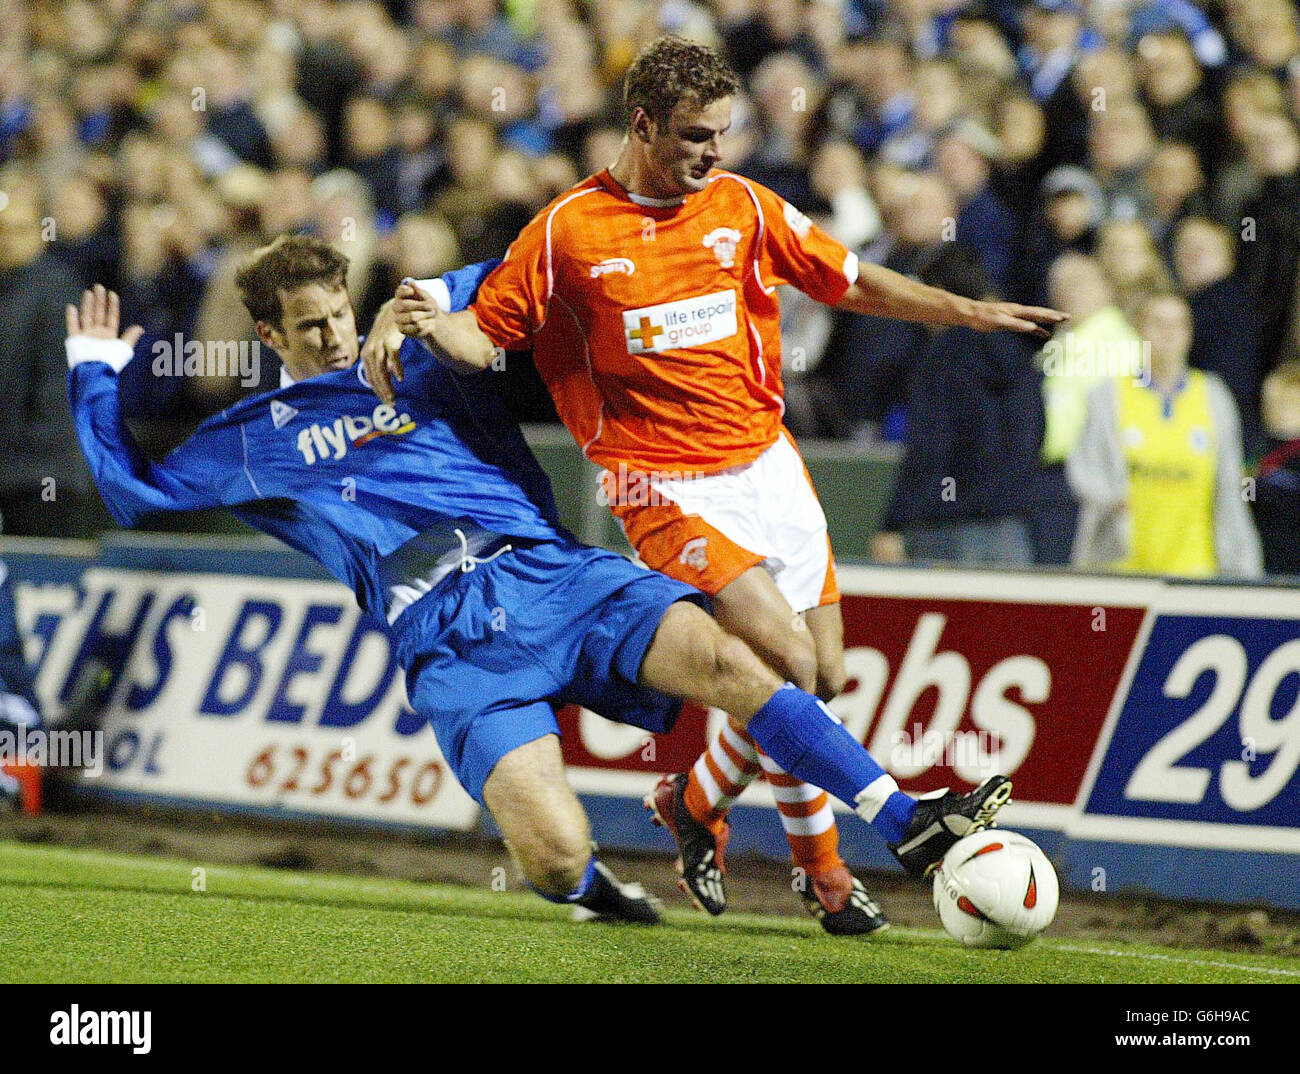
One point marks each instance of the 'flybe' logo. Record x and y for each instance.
(332, 441)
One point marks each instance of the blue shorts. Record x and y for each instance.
(490, 655)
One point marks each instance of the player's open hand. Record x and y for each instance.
(1012, 317)
(381, 352)
(99, 317)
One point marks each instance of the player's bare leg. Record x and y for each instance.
(692, 656)
(546, 831)
(826, 625)
(694, 806)
(543, 822)
(755, 611)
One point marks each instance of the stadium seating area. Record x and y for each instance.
(151, 144)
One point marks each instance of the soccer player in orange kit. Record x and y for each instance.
(648, 296)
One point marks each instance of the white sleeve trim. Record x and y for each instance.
(113, 352)
(437, 290)
(851, 268)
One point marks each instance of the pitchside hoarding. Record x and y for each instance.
(1153, 729)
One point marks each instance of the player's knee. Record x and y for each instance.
(796, 659)
(554, 864)
(736, 668)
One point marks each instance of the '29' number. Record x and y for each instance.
(1158, 779)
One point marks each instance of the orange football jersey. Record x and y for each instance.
(656, 325)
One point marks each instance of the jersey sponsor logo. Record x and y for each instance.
(332, 441)
(613, 264)
(799, 223)
(695, 553)
(723, 242)
(282, 413)
(688, 322)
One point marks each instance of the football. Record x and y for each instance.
(995, 889)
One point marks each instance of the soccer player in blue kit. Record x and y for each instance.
(448, 534)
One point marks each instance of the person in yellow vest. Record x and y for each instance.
(1094, 344)
(1158, 470)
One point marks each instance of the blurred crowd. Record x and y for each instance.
(1096, 156)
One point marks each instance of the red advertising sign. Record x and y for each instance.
(939, 685)
(940, 690)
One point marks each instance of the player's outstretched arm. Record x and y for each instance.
(881, 292)
(130, 484)
(455, 338)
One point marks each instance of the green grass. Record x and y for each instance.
(84, 916)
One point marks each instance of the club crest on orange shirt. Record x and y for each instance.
(723, 242)
(695, 553)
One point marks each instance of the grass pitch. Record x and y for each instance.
(84, 916)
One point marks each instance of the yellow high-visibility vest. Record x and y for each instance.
(1170, 449)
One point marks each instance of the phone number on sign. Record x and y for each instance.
(290, 770)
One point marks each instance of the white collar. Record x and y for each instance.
(655, 203)
(286, 379)
(642, 200)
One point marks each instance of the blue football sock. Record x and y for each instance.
(584, 885)
(805, 738)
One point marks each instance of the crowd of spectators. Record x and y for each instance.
(1091, 154)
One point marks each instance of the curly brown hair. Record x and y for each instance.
(290, 262)
(670, 69)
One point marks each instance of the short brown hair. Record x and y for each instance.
(290, 262)
(672, 69)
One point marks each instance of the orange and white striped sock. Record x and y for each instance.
(730, 764)
(724, 770)
(807, 818)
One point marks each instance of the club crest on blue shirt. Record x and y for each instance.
(282, 413)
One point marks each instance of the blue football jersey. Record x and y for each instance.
(375, 493)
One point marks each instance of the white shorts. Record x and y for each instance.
(709, 530)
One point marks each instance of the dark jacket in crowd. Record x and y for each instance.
(975, 428)
(1067, 128)
(1225, 341)
(987, 224)
(1196, 121)
(1270, 258)
(868, 361)
(1277, 508)
(243, 132)
(1037, 247)
(97, 257)
(38, 439)
(866, 365)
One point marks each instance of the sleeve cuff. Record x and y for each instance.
(436, 289)
(112, 352)
(851, 268)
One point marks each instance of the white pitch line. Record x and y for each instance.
(1170, 958)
